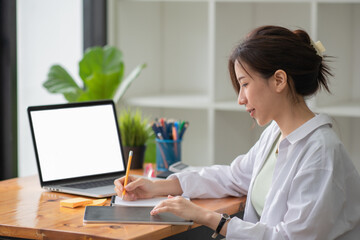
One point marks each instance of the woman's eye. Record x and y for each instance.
(244, 85)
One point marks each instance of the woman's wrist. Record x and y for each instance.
(167, 187)
(209, 218)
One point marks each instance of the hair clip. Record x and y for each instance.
(319, 47)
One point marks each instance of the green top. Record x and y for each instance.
(263, 180)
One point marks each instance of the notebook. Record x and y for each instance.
(77, 147)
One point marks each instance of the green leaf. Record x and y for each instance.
(59, 81)
(125, 84)
(100, 86)
(101, 70)
(106, 60)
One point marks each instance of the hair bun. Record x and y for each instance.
(303, 36)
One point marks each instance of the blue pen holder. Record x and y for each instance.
(167, 152)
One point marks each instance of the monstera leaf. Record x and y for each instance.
(101, 71)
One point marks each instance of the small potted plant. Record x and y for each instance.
(135, 132)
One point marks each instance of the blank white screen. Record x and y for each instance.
(76, 142)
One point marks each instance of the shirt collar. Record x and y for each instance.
(308, 127)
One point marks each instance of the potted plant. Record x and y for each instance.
(101, 71)
(135, 132)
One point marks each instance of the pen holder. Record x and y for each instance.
(167, 153)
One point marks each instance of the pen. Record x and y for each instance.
(155, 128)
(164, 127)
(174, 133)
(183, 130)
(181, 126)
(161, 151)
(175, 138)
(127, 172)
(176, 125)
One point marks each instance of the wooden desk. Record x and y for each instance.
(27, 211)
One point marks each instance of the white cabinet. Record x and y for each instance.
(186, 45)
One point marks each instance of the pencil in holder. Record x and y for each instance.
(167, 152)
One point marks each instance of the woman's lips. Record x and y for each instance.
(251, 111)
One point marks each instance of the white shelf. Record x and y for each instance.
(171, 101)
(229, 106)
(346, 109)
(186, 45)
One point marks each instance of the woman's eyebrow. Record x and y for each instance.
(240, 78)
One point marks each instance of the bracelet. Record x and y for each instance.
(223, 220)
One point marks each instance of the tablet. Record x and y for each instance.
(139, 215)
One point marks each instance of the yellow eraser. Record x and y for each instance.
(75, 202)
(98, 202)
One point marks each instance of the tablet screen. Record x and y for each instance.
(138, 215)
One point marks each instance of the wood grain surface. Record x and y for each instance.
(28, 211)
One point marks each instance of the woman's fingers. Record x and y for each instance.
(119, 184)
(174, 205)
(134, 184)
(159, 208)
(120, 181)
(137, 188)
(118, 191)
(129, 196)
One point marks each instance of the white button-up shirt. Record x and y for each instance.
(315, 190)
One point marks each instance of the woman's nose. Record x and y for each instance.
(241, 98)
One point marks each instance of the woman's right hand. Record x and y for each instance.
(137, 188)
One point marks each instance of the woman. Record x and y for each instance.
(299, 181)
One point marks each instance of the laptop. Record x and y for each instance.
(77, 147)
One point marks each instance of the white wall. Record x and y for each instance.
(48, 32)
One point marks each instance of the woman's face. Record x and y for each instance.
(256, 94)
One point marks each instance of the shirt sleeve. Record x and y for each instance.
(219, 180)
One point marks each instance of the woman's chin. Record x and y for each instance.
(261, 122)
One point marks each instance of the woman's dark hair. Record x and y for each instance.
(270, 48)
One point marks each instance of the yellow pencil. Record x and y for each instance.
(127, 172)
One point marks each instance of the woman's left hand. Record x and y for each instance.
(184, 208)
(180, 207)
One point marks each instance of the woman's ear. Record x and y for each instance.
(280, 80)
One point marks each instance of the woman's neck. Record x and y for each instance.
(292, 117)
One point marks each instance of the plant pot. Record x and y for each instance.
(137, 158)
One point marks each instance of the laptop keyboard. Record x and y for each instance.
(92, 184)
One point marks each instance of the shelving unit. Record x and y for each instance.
(186, 45)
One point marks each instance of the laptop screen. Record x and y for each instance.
(77, 141)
